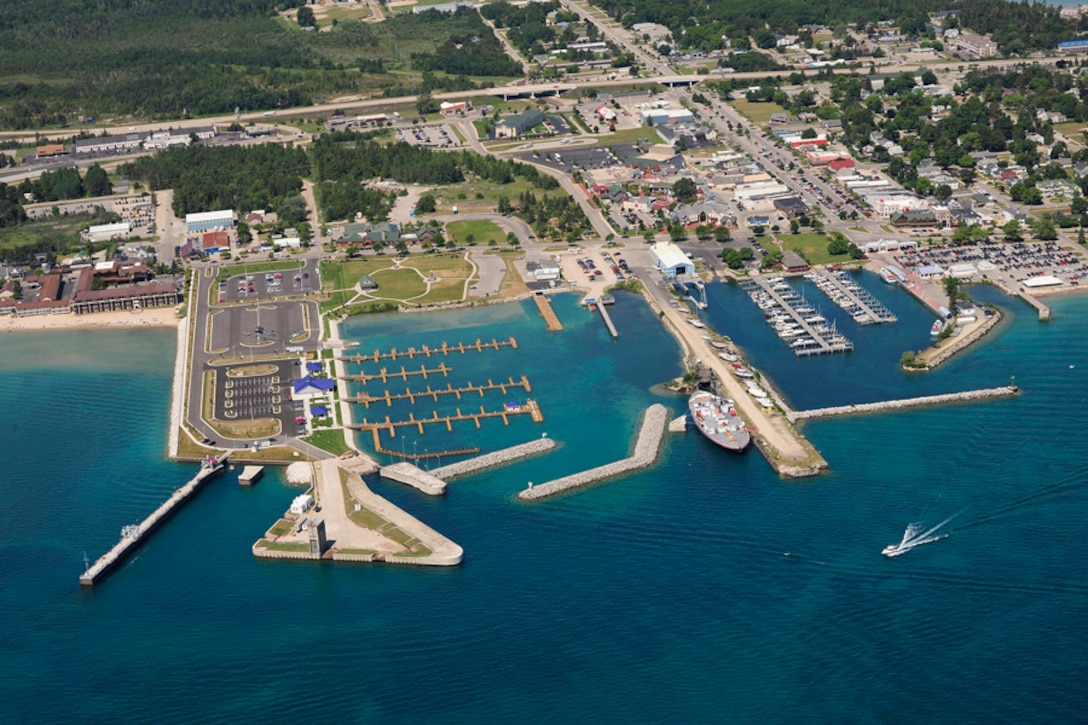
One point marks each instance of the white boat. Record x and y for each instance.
(696, 323)
(727, 356)
(744, 373)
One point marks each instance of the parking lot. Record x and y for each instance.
(435, 136)
(243, 330)
(242, 396)
(582, 157)
(250, 286)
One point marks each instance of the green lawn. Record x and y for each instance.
(451, 271)
(810, 245)
(757, 112)
(477, 195)
(482, 231)
(630, 135)
(329, 440)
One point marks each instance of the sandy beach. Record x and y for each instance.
(157, 317)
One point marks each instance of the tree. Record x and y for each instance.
(426, 204)
(426, 104)
(306, 17)
(96, 182)
(685, 189)
(722, 235)
(504, 206)
(245, 236)
(1013, 232)
(1044, 229)
(795, 227)
(951, 287)
(512, 239)
(943, 192)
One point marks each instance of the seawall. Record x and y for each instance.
(902, 404)
(647, 446)
(497, 458)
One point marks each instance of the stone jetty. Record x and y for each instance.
(966, 396)
(415, 477)
(491, 460)
(647, 446)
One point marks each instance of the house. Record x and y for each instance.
(367, 283)
(793, 262)
(705, 212)
(370, 235)
(518, 124)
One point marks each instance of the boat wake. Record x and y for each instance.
(914, 537)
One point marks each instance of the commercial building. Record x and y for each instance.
(102, 232)
(518, 124)
(209, 221)
(973, 46)
(670, 260)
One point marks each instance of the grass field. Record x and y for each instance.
(59, 233)
(404, 284)
(477, 196)
(630, 135)
(481, 230)
(810, 245)
(329, 440)
(757, 112)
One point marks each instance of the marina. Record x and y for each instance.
(424, 351)
(384, 375)
(411, 395)
(855, 300)
(797, 323)
(133, 536)
(530, 408)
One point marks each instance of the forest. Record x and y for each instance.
(244, 178)
(158, 59)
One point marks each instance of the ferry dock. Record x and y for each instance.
(133, 536)
(411, 395)
(925, 400)
(443, 349)
(783, 306)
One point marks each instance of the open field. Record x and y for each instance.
(757, 112)
(331, 440)
(405, 284)
(810, 245)
(481, 231)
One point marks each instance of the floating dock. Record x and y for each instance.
(965, 396)
(133, 536)
(411, 395)
(823, 340)
(852, 297)
(384, 375)
(647, 446)
(443, 349)
(250, 475)
(530, 408)
(551, 320)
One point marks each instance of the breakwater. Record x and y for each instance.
(497, 458)
(966, 396)
(645, 453)
(133, 536)
(415, 477)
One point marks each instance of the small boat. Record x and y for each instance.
(727, 356)
(719, 345)
(936, 329)
(696, 323)
(744, 373)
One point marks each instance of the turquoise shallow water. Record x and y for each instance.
(704, 589)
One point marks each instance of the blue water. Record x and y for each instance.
(704, 589)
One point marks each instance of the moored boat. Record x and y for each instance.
(717, 419)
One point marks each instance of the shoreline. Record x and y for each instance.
(153, 317)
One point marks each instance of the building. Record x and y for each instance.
(449, 108)
(670, 260)
(518, 124)
(367, 283)
(543, 270)
(793, 262)
(50, 151)
(606, 114)
(215, 241)
(973, 46)
(1073, 46)
(102, 232)
(310, 386)
(209, 221)
(662, 116)
(107, 144)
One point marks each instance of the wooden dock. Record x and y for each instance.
(425, 351)
(530, 408)
(388, 397)
(551, 320)
(133, 536)
(384, 374)
(420, 456)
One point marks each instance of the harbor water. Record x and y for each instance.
(702, 589)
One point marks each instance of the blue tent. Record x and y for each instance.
(315, 367)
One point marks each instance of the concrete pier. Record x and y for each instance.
(966, 396)
(607, 319)
(551, 320)
(497, 458)
(647, 446)
(415, 477)
(133, 536)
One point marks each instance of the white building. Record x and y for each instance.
(670, 260)
(102, 232)
(208, 221)
(301, 504)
